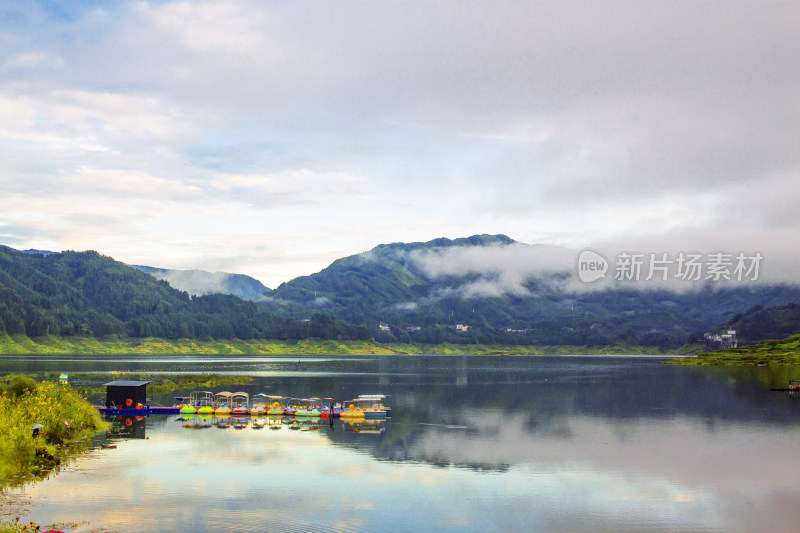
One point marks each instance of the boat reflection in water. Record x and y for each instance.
(476, 444)
(365, 427)
(127, 427)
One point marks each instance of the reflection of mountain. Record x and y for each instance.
(491, 413)
(462, 411)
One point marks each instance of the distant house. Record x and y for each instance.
(413, 328)
(462, 328)
(384, 327)
(723, 341)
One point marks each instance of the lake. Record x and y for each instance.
(474, 443)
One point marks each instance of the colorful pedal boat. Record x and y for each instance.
(222, 401)
(308, 408)
(276, 405)
(365, 406)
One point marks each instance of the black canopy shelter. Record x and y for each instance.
(126, 394)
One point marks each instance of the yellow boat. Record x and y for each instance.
(222, 404)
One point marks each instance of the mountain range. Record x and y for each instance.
(85, 293)
(481, 289)
(492, 289)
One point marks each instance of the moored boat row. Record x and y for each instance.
(238, 404)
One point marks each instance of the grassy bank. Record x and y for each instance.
(68, 421)
(774, 352)
(50, 345)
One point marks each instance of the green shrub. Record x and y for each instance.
(16, 385)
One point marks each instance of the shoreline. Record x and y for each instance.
(52, 345)
(771, 352)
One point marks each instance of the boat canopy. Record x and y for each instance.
(241, 397)
(275, 397)
(371, 396)
(201, 396)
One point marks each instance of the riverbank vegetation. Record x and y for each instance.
(772, 352)
(67, 423)
(53, 345)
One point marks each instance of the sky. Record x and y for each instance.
(271, 138)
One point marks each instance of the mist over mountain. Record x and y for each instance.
(201, 282)
(490, 288)
(194, 282)
(481, 289)
(85, 293)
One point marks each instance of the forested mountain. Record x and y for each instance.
(482, 289)
(423, 291)
(758, 323)
(84, 293)
(201, 282)
(196, 282)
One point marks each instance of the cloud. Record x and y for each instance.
(500, 269)
(34, 60)
(317, 128)
(195, 282)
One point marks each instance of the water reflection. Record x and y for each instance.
(127, 427)
(474, 444)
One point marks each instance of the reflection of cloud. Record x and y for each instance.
(580, 473)
(685, 451)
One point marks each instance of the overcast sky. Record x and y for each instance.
(270, 138)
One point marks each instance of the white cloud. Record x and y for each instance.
(35, 59)
(206, 27)
(325, 129)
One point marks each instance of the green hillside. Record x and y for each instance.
(760, 323)
(87, 294)
(771, 352)
(391, 286)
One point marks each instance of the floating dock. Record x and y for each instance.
(145, 411)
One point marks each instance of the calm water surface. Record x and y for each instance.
(474, 444)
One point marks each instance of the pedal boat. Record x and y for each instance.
(222, 402)
(365, 406)
(276, 406)
(308, 408)
(241, 404)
